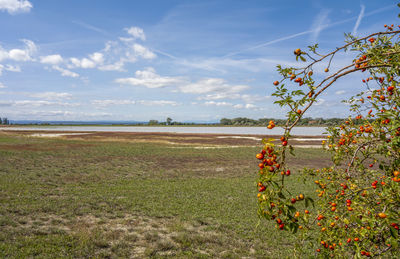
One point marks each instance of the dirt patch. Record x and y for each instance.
(174, 138)
(55, 135)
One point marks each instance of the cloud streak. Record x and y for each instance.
(359, 18)
(318, 24)
(308, 31)
(90, 27)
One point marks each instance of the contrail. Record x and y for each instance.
(91, 27)
(164, 53)
(309, 31)
(360, 16)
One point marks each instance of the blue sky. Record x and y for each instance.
(188, 60)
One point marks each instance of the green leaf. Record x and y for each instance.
(393, 232)
(308, 201)
(280, 195)
(394, 242)
(295, 228)
(291, 208)
(291, 150)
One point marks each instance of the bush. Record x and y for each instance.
(357, 211)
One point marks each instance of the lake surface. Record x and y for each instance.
(304, 131)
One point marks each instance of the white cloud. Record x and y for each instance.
(65, 72)
(82, 63)
(2, 86)
(212, 85)
(117, 66)
(149, 78)
(143, 52)
(51, 59)
(340, 92)
(247, 98)
(252, 98)
(244, 106)
(19, 54)
(31, 103)
(9, 68)
(223, 65)
(115, 54)
(3, 54)
(12, 68)
(158, 102)
(15, 6)
(227, 104)
(34, 103)
(212, 103)
(97, 57)
(52, 95)
(136, 33)
(92, 61)
(104, 103)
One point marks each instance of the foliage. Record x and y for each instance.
(357, 211)
(307, 121)
(4, 121)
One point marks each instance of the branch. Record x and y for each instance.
(351, 43)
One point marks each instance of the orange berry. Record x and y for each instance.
(382, 215)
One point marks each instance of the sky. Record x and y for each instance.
(193, 61)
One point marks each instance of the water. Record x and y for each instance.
(304, 131)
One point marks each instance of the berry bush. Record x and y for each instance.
(356, 212)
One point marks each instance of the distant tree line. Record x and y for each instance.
(4, 121)
(243, 121)
(169, 121)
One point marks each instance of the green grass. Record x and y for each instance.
(66, 198)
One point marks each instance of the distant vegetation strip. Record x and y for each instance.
(240, 121)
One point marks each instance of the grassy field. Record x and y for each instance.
(85, 198)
